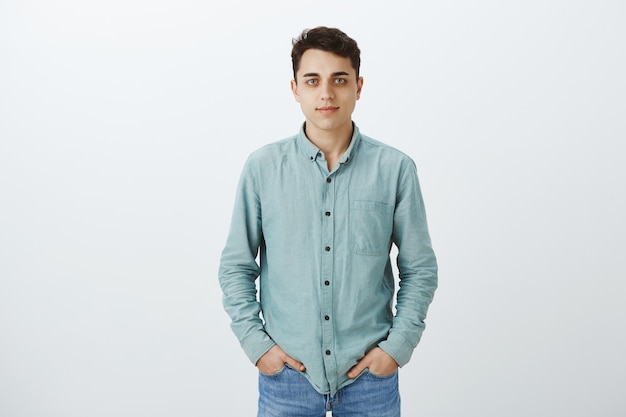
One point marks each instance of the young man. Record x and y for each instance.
(323, 208)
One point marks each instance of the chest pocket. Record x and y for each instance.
(371, 224)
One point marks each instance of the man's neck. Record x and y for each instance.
(333, 143)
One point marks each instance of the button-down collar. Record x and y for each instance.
(312, 152)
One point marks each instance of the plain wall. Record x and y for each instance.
(124, 126)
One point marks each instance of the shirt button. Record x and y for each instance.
(327, 248)
(327, 283)
(328, 352)
(328, 180)
(327, 213)
(326, 318)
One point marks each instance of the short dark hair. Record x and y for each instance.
(326, 39)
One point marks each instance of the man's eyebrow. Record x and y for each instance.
(315, 74)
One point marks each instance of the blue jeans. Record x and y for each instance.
(289, 394)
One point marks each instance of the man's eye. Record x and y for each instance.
(311, 82)
(340, 81)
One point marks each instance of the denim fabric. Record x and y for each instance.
(289, 394)
(323, 241)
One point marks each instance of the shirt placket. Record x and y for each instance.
(328, 232)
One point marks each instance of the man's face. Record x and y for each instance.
(327, 89)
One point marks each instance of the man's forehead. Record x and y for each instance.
(322, 63)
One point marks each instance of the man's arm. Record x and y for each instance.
(239, 269)
(417, 268)
(237, 275)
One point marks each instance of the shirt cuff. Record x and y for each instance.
(257, 345)
(398, 348)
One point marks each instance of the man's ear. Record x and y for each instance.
(359, 86)
(294, 90)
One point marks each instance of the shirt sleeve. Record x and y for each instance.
(417, 266)
(239, 269)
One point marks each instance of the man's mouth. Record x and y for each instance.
(327, 109)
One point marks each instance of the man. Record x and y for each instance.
(323, 208)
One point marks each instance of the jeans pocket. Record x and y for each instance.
(376, 376)
(275, 374)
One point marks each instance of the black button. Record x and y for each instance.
(326, 318)
(311, 158)
(327, 213)
(327, 248)
(328, 352)
(328, 180)
(327, 283)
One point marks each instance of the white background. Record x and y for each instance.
(124, 125)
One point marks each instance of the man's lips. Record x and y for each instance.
(327, 109)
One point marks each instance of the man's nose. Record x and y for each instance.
(326, 91)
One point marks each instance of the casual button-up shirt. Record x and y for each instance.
(323, 241)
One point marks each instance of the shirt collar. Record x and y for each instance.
(312, 152)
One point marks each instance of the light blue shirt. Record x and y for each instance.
(324, 239)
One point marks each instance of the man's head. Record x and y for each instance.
(326, 81)
(326, 39)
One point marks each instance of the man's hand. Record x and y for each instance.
(274, 359)
(378, 361)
